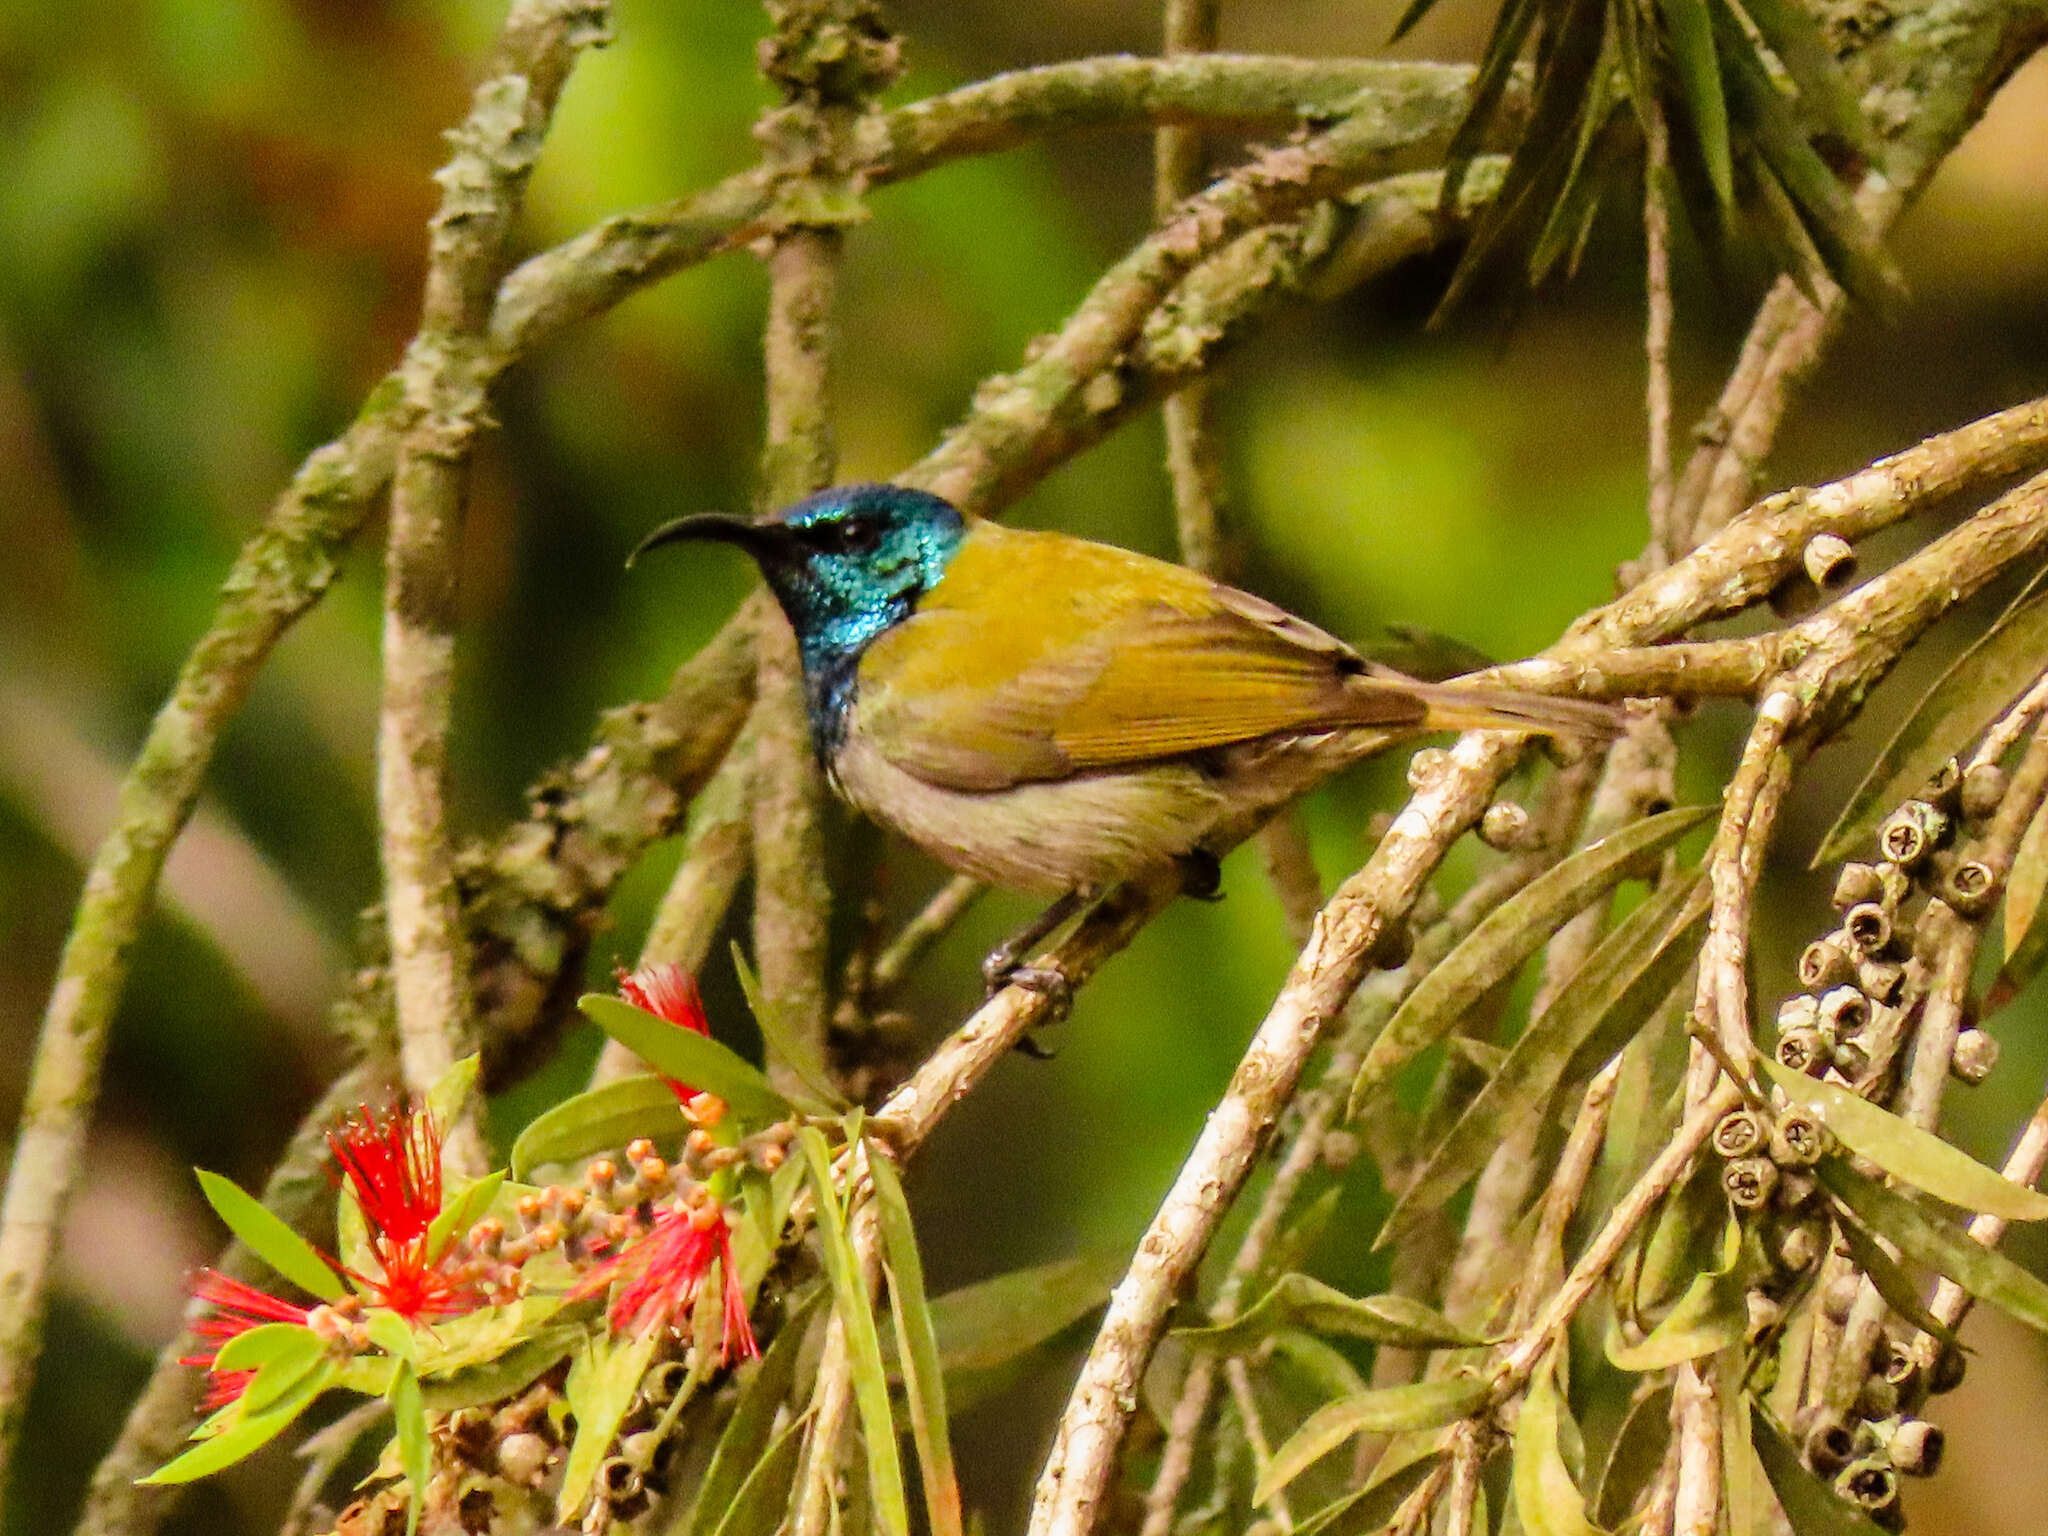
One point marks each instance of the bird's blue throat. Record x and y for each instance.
(854, 563)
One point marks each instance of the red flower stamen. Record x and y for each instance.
(392, 1162)
(665, 1272)
(237, 1309)
(668, 992)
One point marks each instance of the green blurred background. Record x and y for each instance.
(211, 228)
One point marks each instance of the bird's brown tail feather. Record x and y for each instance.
(1456, 706)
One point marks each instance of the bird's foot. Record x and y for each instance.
(1201, 875)
(1057, 988)
(1006, 962)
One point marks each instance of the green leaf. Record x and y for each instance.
(991, 1322)
(1906, 1152)
(1382, 1410)
(1710, 1316)
(1635, 1458)
(245, 1430)
(1513, 931)
(1797, 42)
(785, 1044)
(1964, 700)
(864, 1346)
(689, 1057)
(504, 1375)
(923, 1375)
(1926, 1239)
(764, 1387)
(1889, 1280)
(1369, 1508)
(761, 1503)
(267, 1343)
(1619, 984)
(1546, 1498)
(1302, 1301)
(451, 1092)
(600, 1120)
(415, 1450)
(600, 1389)
(266, 1236)
(1813, 1508)
(2025, 884)
(457, 1216)
(1689, 31)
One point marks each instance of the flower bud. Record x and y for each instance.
(522, 1458)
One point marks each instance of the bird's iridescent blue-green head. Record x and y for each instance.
(845, 564)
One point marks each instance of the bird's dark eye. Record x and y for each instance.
(851, 536)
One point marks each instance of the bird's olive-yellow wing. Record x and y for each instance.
(1040, 655)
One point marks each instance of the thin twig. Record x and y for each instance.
(1664, 541)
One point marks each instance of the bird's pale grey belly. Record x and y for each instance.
(1093, 829)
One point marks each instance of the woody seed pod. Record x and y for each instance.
(1949, 1369)
(1983, 791)
(1911, 832)
(1876, 1398)
(1738, 1133)
(1803, 1050)
(1870, 1483)
(1944, 787)
(661, 1383)
(1797, 1010)
(1829, 559)
(1825, 963)
(1765, 1313)
(1855, 884)
(1846, 1011)
(1829, 1445)
(1976, 1053)
(1798, 1139)
(1851, 1060)
(1970, 886)
(1869, 928)
(522, 1458)
(1915, 1447)
(1799, 1247)
(619, 1479)
(1840, 1296)
(1749, 1182)
(1504, 826)
(1883, 981)
(1895, 1363)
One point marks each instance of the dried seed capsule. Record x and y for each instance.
(1830, 560)
(1798, 1139)
(1825, 963)
(1949, 1369)
(1749, 1182)
(1944, 787)
(1975, 1055)
(1876, 1398)
(522, 1457)
(1857, 883)
(1765, 1313)
(1796, 1188)
(1870, 1483)
(1845, 1010)
(1895, 1363)
(1796, 1011)
(1869, 928)
(618, 1480)
(1504, 826)
(1915, 1447)
(1882, 981)
(661, 1383)
(642, 1447)
(1799, 1248)
(1970, 886)
(1739, 1133)
(1983, 791)
(1829, 1445)
(1803, 1050)
(1911, 832)
(1851, 1060)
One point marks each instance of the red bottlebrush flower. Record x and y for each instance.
(668, 992)
(392, 1162)
(236, 1309)
(665, 1272)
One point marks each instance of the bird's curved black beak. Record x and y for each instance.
(763, 541)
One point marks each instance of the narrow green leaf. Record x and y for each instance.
(1508, 936)
(1689, 31)
(1369, 1508)
(785, 1044)
(1796, 40)
(415, 1450)
(1709, 1317)
(1622, 980)
(267, 1343)
(1546, 1498)
(923, 1375)
(1302, 1301)
(760, 1505)
(457, 1216)
(600, 1389)
(600, 1120)
(504, 1375)
(1813, 1508)
(1635, 1458)
(688, 1057)
(269, 1238)
(2025, 884)
(1966, 698)
(864, 1346)
(1889, 1280)
(1905, 1151)
(451, 1092)
(764, 1388)
(246, 1431)
(1926, 1239)
(991, 1322)
(1383, 1410)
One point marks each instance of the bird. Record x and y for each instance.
(1054, 715)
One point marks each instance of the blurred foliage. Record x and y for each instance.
(211, 231)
